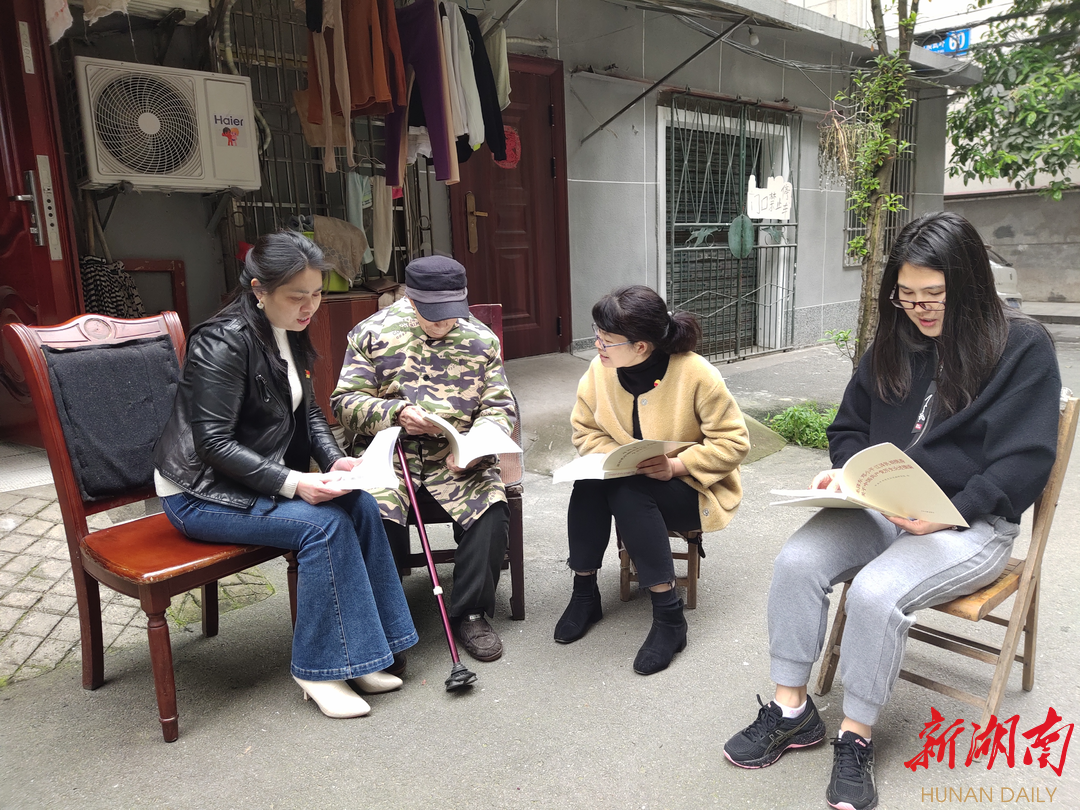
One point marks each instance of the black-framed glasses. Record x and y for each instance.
(925, 306)
(603, 345)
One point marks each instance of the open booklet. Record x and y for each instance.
(884, 479)
(616, 464)
(485, 438)
(377, 470)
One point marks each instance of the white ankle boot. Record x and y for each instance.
(376, 682)
(334, 698)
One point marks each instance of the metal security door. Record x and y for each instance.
(713, 148)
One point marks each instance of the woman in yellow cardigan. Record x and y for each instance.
(647, 383)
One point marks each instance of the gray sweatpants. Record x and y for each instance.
(900, 573)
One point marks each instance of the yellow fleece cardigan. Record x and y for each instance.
(690, 404)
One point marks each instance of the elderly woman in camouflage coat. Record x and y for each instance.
(425, 353)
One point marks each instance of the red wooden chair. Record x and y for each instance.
(512, 471)
(145, 558)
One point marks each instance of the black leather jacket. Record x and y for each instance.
(232, 417)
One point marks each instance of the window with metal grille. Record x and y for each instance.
(708, 151)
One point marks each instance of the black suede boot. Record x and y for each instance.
(666, 637)
(583, 610)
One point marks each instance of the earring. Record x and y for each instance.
(261, 305)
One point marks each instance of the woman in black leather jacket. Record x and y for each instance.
(232, 466)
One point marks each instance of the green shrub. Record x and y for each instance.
(804, 425)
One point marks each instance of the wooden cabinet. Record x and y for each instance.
(329, 330)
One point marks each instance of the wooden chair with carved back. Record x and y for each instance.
(103, 389)
(1020, 579)
(512, 470)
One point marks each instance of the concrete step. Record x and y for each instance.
(1053, 311)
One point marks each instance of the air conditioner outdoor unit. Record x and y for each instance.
(194, 10)
(164, 129)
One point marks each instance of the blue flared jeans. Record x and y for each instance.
(351, 614)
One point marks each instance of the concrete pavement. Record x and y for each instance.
(546, 726)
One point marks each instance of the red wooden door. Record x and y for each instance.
(519, 256)
(37, 251)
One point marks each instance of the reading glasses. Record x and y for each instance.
(604, 345)
(925, 306)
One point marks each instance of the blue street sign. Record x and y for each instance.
(952, 43)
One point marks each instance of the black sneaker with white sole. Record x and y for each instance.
(851, 786)
(762, 742)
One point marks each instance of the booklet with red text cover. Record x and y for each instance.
(884, 479)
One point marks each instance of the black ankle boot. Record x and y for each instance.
(667, 637)
(583, 610)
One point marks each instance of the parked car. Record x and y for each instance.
(1008, 289)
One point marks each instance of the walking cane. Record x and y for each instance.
(460, 674)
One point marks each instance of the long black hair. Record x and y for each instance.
(975, 326)
(638, 313)
(275, 259)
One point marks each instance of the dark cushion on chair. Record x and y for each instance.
(113, 403)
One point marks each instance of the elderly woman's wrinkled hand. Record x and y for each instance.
(413, 420)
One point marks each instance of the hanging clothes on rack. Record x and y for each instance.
(486, 89)
(420, 32)
(463, 63)
(368, 72)
(457, 102)
(495, 44)
(382, 222)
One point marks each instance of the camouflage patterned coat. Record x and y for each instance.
(390, 363)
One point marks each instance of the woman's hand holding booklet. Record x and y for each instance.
(884, 479)
(618, 463)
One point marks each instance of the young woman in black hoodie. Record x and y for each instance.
(970, 389)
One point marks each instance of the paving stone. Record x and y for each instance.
(44, 491)
(57, 533)
(22, 564)
(51, 513)
(36, 527)
(20, 599)
(118, 614)
(52, 570)
(39, 624)
(67, 629)
(8, 499)
(27, 507)
(49, 654)
(65, 585)
(56, 549)
(9, 524)
(16, 543)
(109, 633)
(9, 579)
(9, 617)
(57, 603)
(14, 650)
(98, 521)
(129, 637)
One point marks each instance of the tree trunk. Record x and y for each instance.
(874, 261)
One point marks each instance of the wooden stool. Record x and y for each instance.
(692, 555)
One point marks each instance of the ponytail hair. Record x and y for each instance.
(637, 313)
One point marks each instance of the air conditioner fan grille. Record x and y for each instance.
(146, 124)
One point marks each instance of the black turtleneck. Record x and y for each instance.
(641, 378)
